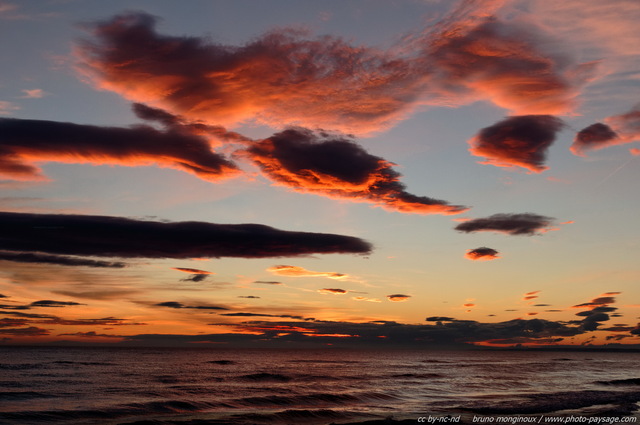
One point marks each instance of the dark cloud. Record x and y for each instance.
(91, 334)
(482, 254)
(9, 323)
(595, 136)
(398, 297)
(616, 130)
(286, 316)
(511, 224)
(439, 319)
(335, 291)
(30, 331)
(52, 303)
(178, 305)
(130, 238)
(248, 296)
(517, 141)
(377, 333)
(268, 282)
(335, 166)
(23, 257)
(195, 278)
(23, 143)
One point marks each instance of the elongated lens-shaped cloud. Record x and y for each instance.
(511, 224)
(103, 236)
(23, 143)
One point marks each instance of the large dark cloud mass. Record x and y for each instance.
(129, 238)
(336, 166)
(446, 332)
(26, 142)
(518, 141)
(511, 224)
(286, 77)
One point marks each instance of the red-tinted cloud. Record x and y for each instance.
(23, 143)
(482, 254)
(295, 271)
(285, 77)
(617, 130)
(511, 224)
(335, 166)
(281, 77)
(518, 141)
(103, 236)
(507, 64)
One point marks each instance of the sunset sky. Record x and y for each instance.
(370, 172)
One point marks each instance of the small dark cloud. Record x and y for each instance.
(439, 319)
(335, 166)
(398, 297)
(248, 296)
(335, 291)
(195, 278)
(178, 305)
(268, 282)
(542, 305)
(23, 257)
(482, 254)
(3, 296)
(595, 136)
(111, 237)
(616, 130)
(517, 141)
(511, 224)
(51, 303)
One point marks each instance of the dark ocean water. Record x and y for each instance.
(220, 386)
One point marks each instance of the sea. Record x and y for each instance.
(199, 386)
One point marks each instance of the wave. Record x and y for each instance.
(630, 381)
(222, 362)
(317, 399)
(554, 402)
(132, 409)
(67, 362)
(22, 395)
(23, 366)
(265, 377)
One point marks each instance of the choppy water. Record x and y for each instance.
(220, 386)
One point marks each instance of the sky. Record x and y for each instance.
(420, 173)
